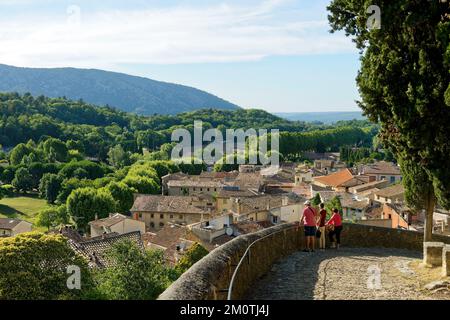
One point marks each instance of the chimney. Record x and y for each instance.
(96, 216)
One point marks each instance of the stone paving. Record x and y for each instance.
(345, 274)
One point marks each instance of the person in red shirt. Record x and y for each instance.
(308, 220)
(335, 221)
(321, 224)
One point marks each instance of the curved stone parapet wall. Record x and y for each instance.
(209, 278)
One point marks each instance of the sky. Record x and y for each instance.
(276, 55)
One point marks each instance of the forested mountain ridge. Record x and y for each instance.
(97, 129)
(128, 93)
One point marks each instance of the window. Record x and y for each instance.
(201, 189)
(161, 224)
(392, 179)
(180, 217)
(152, 225)
(161, 216)
(383, 178)
(215, 189)
(152, 216)
(208, 189)
(140, 215)
(171, 216)
(390, 216)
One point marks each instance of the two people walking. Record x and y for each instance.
(315, 223)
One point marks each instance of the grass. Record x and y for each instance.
(24, 207)
(423, 275)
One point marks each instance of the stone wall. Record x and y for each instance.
(356, 235)
(210, 278)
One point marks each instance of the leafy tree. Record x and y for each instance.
(85, 204)
(69, 185)
(118, 157)
(123, 195)
(149, 139)
(163, 168)
(52, 217)
(80, 173)
(7, 190)
(18, 153)
(55, 149)
(403, 81)
(39, 169)
(191, 256)
(94, 170)
(75, 145)
(334, 203)
(49, 187)
(142, 185)
(316, 200)
(22, 180)
(143, 169)
(34, 267)
(134, 275)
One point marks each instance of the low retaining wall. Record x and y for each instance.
(356, 235)
(210, 278)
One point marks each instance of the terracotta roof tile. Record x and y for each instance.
(335, 179)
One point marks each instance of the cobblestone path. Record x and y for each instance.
(345, 274)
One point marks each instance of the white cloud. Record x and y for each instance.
(180, 34)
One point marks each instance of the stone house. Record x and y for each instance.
(116, 223)
(192, 187)
(382, 170)
(366, 191)
(12, 227)
(156, 211)
(392, 194)
(399, 215)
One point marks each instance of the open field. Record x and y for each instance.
(23, 207)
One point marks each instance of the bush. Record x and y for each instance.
(135, 274)
(33, 266)
(53, 217)
(7, 190)
(194, 254)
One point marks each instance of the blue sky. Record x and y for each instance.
(275, 55)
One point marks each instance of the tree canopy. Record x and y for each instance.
(404, 83)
